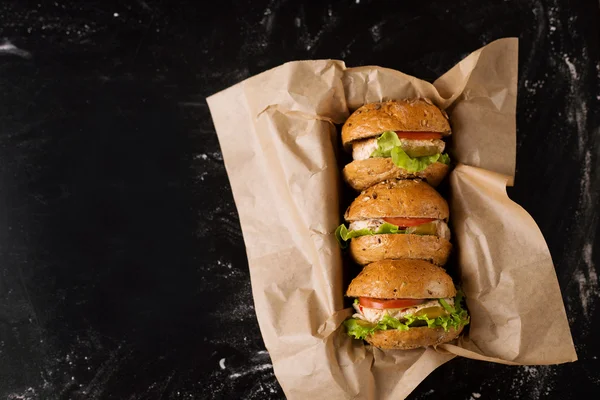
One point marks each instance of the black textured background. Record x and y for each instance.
(122, 268)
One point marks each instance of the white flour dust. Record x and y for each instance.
(268, 20)
(578, 111)
(587, 281)
(571, 67)
(251, 370)
(241, 306)
(376, 32)
(259, 390)
(309, 40)
(536, 381)
(8, 48)
(28, 394)
(585, 182)
(572, 64)
(209, 156)
(260, 361)
(225, 270)
(429, 392)
(533, 86)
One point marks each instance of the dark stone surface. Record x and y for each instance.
(122, 268)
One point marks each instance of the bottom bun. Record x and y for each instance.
(371, 248)
(412, 338)
(361, 174)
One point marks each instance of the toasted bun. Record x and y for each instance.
(412, 338)
(370, 248)
(402, 279)
(411, 115)
(361, 174)
(398, 198)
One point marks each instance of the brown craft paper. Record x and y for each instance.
(279, 144)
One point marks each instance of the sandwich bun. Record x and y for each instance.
(398, 198)
(370, 248)
(361, 174)
(394, 339)
(410, 115)
(402, 279)
(407, 279)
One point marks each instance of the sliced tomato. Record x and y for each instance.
(382, 304)
(405, 222)
(418, 135)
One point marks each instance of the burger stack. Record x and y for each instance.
(397, 226)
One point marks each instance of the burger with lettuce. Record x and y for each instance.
(397, 219)
(405, 304)
(396, 139)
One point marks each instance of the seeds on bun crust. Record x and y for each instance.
(361, 174)
(370, 248)
(406, 279)
(410, 115)
(398, 198)
(412, 338)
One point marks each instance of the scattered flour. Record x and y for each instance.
(574, 71)
(585, 189)
(252, 370)
(587, 281)
(537, 381)
(376, 32)
(8, 48)
(28, 394)
(572, 68)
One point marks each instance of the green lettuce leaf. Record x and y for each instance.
(458, 317)
(385, 144)
(342, 234)
(391, 322)
(446, 306)
(403, 160)
(388, 145)
(444, 158)
(387, 228)
(359, 329)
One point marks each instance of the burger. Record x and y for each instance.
(405, 304)
(397, 219)
(396, 139)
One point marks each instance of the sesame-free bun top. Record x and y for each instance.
(410, 198)
(410, 115)
(402, 279)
